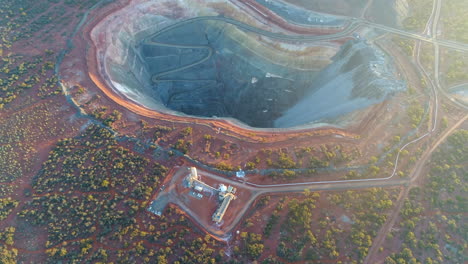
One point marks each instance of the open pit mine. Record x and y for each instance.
(242, 63)
(217, 84)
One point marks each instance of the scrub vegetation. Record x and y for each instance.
(433, 217)
(76, 189)
(454, 20)
(91, 196)
(420, 10)
(309, 232)
(455, 67)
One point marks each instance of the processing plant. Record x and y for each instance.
(225, 193)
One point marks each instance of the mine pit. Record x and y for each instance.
(201, 69)
(212, 67)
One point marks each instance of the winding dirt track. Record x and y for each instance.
(95, 63)
(416, 173)
(171, 195)
(156, 78)
(258, 191)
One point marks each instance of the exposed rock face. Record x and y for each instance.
(359, 77)
(387, 12)
(299, 15)
(212, 68)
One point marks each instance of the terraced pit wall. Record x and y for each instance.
(215, 69)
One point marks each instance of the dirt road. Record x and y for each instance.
(416, 173)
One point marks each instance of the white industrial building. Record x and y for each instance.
(225, 193)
